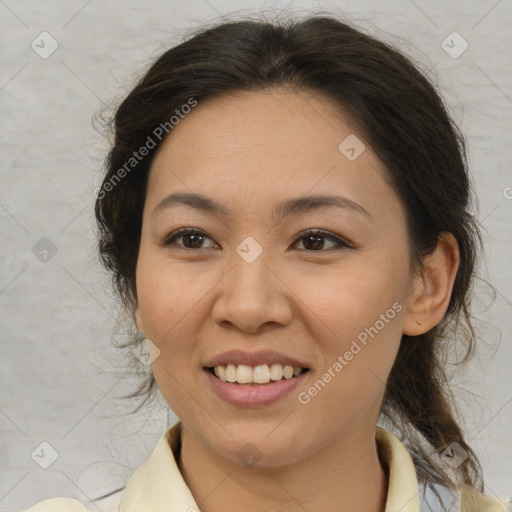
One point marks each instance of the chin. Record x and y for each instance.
(261, 450)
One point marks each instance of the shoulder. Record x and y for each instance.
(57, 505)
(474, 501)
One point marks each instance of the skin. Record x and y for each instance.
(249, 151)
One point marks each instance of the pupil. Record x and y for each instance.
(318, 244)
(186, 238)
(317, 241)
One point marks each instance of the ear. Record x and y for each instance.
(138, 321)
(431, 292)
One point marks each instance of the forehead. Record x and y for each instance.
(282, 120)
(265, 145)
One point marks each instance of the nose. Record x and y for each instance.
(253, 295)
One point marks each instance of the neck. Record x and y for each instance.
(346, 474)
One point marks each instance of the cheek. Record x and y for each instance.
(358, 334)
(164, 294)
(345, 302)
(171, 302)
(352, 383)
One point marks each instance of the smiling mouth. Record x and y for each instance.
(255, 375)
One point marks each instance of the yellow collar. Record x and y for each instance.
(158, 485)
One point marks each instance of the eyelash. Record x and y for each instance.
(169, 240)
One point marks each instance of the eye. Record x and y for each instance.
(192, 239)
(190, 236)
(314, 239)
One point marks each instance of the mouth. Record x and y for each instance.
(260, 375)
(254, 386)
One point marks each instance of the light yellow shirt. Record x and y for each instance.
(158, 486)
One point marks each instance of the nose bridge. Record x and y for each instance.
(251, 294)
(250, 268)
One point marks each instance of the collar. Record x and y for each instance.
(158, 485)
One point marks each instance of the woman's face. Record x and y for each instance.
(253, 281)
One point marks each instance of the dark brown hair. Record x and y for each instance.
(396, 109)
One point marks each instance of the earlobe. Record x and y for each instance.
(432, 291)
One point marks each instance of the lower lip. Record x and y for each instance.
(254, 395)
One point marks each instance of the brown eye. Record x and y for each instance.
(314, 240)
(192, 238)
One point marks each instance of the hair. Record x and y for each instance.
(398, 110)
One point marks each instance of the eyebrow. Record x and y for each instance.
(288, 207)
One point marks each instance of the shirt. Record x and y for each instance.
(158, 486)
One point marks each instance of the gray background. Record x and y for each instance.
(59, 374)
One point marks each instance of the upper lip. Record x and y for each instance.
(253, 359)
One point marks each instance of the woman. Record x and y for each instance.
(286, 215)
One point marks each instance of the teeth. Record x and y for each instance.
(244, 374)
(261, 374)
(288, 372)
(276, 372)
(231, 373)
